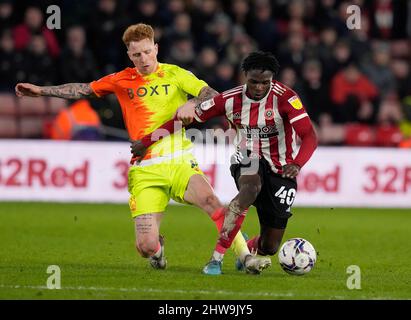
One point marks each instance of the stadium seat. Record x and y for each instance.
(388, 136)
(32, 106)
(8, 127)
(56, 104)
(359, 135)
(7, 104)
(47, 126)
(31, 127)
(331, 134)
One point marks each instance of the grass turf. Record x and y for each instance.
(93, 244)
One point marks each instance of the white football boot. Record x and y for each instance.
(160, 262)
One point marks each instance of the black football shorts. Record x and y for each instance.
(276, 196)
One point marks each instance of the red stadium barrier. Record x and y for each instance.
(359, 135)
(388, 136)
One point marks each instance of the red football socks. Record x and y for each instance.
(225, 242)
(218, 217)
(252, 244)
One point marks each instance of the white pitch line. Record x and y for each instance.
(205, 292)
(148, 290)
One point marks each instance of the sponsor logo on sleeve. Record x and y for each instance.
(295, 102)
(207, 105)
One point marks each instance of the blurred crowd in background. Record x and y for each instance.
(355, 84)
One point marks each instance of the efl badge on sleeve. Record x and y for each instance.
(295, 102)
(207, 104)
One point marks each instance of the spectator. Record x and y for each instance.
(239, 47)
(263, 29)
(6, 14)
(203, 13)
(78, 121)
(296, 15)
(401, 71)
(77, 62)
(181, 27)
(218, 34)
(354, 96)
(39, 66)
(378, 69)
(224, 76)
(340, 23)
(288, 76)
(359, 41)
(75, 12)
(390, 112)
(325, 47)
(312, 91)
(171, 10)
(326, 14)
(145, 11)
(10, 62)
(206, 66)
(341, 57)
(105, 28)
(293, 53)
(388, 19)
(33, 25)
(310, 37)
(182, 52)
(239, 12)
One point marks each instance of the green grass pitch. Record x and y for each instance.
(93, 244)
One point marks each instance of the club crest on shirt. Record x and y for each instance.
(295, 102)
(194, 164)
(132, 204)
(269, 114)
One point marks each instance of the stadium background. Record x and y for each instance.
(310, 38)
(356, 85)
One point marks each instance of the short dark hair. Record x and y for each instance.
(260, 60)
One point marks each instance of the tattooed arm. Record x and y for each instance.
(186, 112)
(67, 91)
(205, 94)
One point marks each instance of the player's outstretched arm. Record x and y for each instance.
(67, 91)
(205, 94)
(186, 112)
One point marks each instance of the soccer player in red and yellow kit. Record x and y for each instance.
(149, 95)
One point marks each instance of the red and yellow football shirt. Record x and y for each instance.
(148, 101)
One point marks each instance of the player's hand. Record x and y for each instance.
(27, 89)
(186, 112)
(290, 170)
(138, 150)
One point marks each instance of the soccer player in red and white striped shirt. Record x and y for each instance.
(268, 116)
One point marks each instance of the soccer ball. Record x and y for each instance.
(297, 256)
